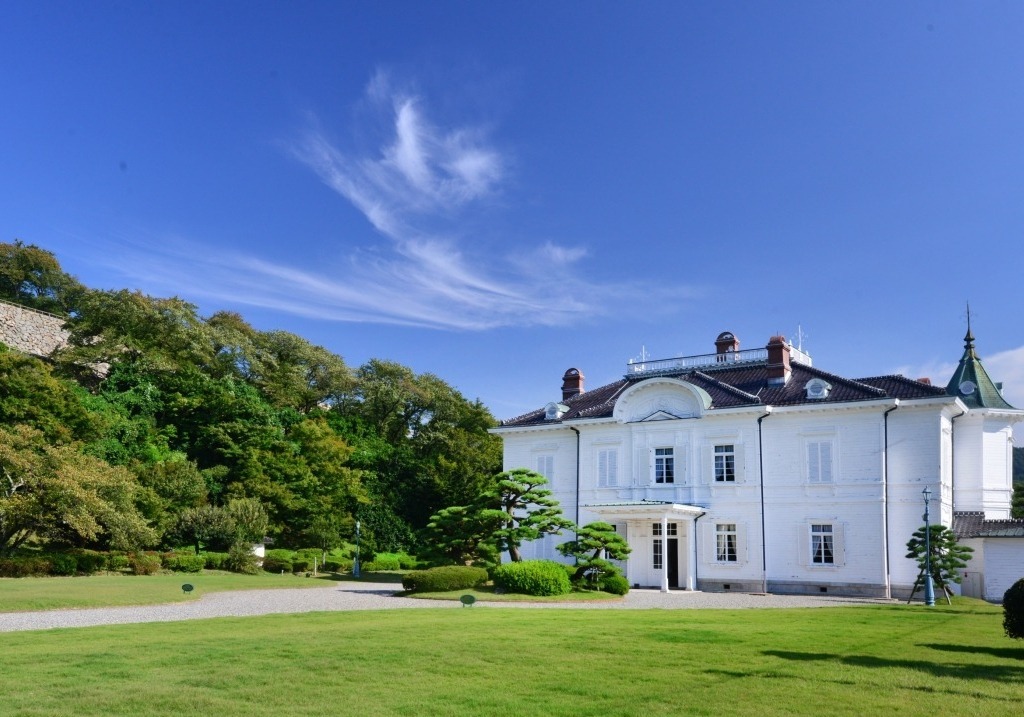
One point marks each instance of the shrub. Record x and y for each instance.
(533, 577)
(63, 564)
(276, 565)
(443, 579)
(186, 563)
(338, 565)
(216, 561)
(301, 564)
(1013, 610)
(384, 561)
(117, 561)
(90, 561)
(615, 584)
(143, 563)
(241, 559)
(24, 566)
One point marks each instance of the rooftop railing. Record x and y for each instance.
(729, 359)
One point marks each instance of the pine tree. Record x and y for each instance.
(947, 555)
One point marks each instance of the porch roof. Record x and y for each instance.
(644, 509)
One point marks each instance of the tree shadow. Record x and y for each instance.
(994, 673)
(1007, 653)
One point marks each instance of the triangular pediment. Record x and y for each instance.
(664, 416)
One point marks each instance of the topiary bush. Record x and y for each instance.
(301, 564)
(63, 564)
(90, 561)
(443, 579)
(1013, 610)
(185, 563)
(143, 564)
(615, 584)
(276, 564)
(117, 562)
(338, 565)
(216, 561)
(533, 577)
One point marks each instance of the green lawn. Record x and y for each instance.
(879, 660)
(487, 594)
(19, 594)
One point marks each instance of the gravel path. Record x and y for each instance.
(380, 596)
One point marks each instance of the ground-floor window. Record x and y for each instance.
(725, 542)
(822, 544)
(672, 531)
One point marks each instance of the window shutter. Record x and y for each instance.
(804, 544)
(707, 463)
(826, 461)
(742, 549)
(613, 467)
(682, 475)
(710, 547)
(838, 544)
(738, 449)
(813, 463)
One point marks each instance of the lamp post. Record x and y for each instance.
(355, 563)
(929, 587)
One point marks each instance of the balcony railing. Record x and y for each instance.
(636, 367)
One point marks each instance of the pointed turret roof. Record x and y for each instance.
(970, 382)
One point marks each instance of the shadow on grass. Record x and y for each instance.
(995, 673)
(1008, 653)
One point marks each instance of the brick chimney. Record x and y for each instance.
(572, 383)
(778, 361)
(726, 342)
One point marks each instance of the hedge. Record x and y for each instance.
(1013, 610)
(533, 577)
(443, 579)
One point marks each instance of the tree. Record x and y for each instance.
(461, 535)
(56, 493)
(206, 527)
(523, 509)
(33, 277)
(947, 555)
(249, 520)
(595, 545)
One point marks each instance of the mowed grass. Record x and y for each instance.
(20, 594)
(885, 660)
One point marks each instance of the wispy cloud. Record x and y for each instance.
(420, 186)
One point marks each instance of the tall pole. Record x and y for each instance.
(929, 587)
(355, 563)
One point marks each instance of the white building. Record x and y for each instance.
(756, 471)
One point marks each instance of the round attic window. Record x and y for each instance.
(967, 387)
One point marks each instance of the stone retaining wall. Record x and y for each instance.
(30, 331)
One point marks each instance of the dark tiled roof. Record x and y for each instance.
(972, 524)
(745, 385)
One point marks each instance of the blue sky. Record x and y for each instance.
(494, 193)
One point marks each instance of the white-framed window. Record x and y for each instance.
(823, 544)
(726, 543)
(819, 461)
(607, 467)
(546, 467)
(664, 465)
(725, 463)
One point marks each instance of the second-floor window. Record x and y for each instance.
(819, 462)
(546, 467)
(725, 463)
(664, 465)
(607, 467)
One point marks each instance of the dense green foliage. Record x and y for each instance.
(1013, 610)
(1018, 482)
(156, 427)
(533, 577)
(615, 584)
(948, 557)
(444, 578)
(594, 547)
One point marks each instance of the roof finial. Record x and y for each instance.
(969, 338)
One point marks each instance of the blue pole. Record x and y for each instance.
(929, 587)
(355, 563)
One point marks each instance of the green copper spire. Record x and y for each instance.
(970, 382)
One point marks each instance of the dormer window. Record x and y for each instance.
(554, 411)
(817, 389)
